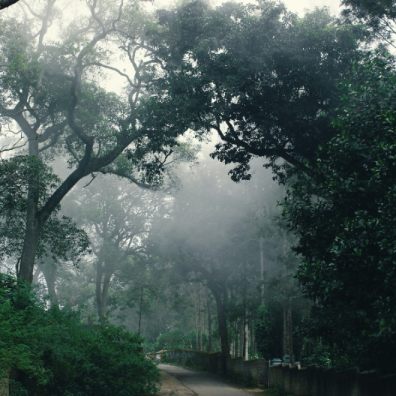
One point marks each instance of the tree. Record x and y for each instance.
(52, 352)
(368, 8)
(379, 16)
(117, 219)
(344, 218)
(61, 238)
(287, 104)
(51, 92)
(264, 79)
(209, 238)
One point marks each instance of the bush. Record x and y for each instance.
(51, 352)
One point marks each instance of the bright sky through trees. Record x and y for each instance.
(300, 5)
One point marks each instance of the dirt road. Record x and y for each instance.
(195, 383)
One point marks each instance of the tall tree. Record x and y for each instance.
(209, 238)
(61, 238)
(344, 218)
(51, 92)
(117, 219)
(264, 79)
(379, 16)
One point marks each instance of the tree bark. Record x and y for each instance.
(49, 271)
(33, 226)
(261, 247)
(98, 289)
(220, 298)
(140, 310)
(288, 332)
(209, 348)
(30, 243)
(103, 278)
(246, 341)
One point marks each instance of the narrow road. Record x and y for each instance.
(200, 383)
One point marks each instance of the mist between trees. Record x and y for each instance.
(210, 178)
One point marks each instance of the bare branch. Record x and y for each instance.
(46, 22)
(253, 149)
(127, 177)
(15, 146)
(118, 71)
(52, 131)
(93, 177)
(120, 7)
(92, 7)
(78, 71)
(71, 150)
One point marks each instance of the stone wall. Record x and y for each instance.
(4, 387)
(310, 381)
(253, 372)
(321, 382)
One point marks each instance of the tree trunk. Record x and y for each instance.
(246, 341)
(103, 277)
(223, 331)
(5, 384)
(30, 246)
(98, 289)
(49, 271)
(33, 227)
(140, 310)
(288, 332)
(105, 290)
(209, 348)
(261, 247)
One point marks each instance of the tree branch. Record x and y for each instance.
(118, 71)
(128, 177)
(260, 152)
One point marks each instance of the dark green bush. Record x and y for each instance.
(51, 352)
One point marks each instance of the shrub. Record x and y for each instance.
(51, 352)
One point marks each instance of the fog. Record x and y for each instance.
(151, 242)
(194, 176)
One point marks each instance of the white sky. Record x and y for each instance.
(300, 6)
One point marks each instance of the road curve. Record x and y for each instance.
(202, 384)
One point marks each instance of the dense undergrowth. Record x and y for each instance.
(52, 352)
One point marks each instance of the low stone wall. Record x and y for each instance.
(309, 381)
(254, 372)
(4, 387)
(321, 382)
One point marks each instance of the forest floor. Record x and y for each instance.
(177, 381)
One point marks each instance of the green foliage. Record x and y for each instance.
(60, 237)
(344, 214)
(174, 339)
(263, 78)
(263, 326)
(373, 9)
(53, 353)
(378, 16)
(315, 353)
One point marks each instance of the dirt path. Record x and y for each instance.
(183, 382)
